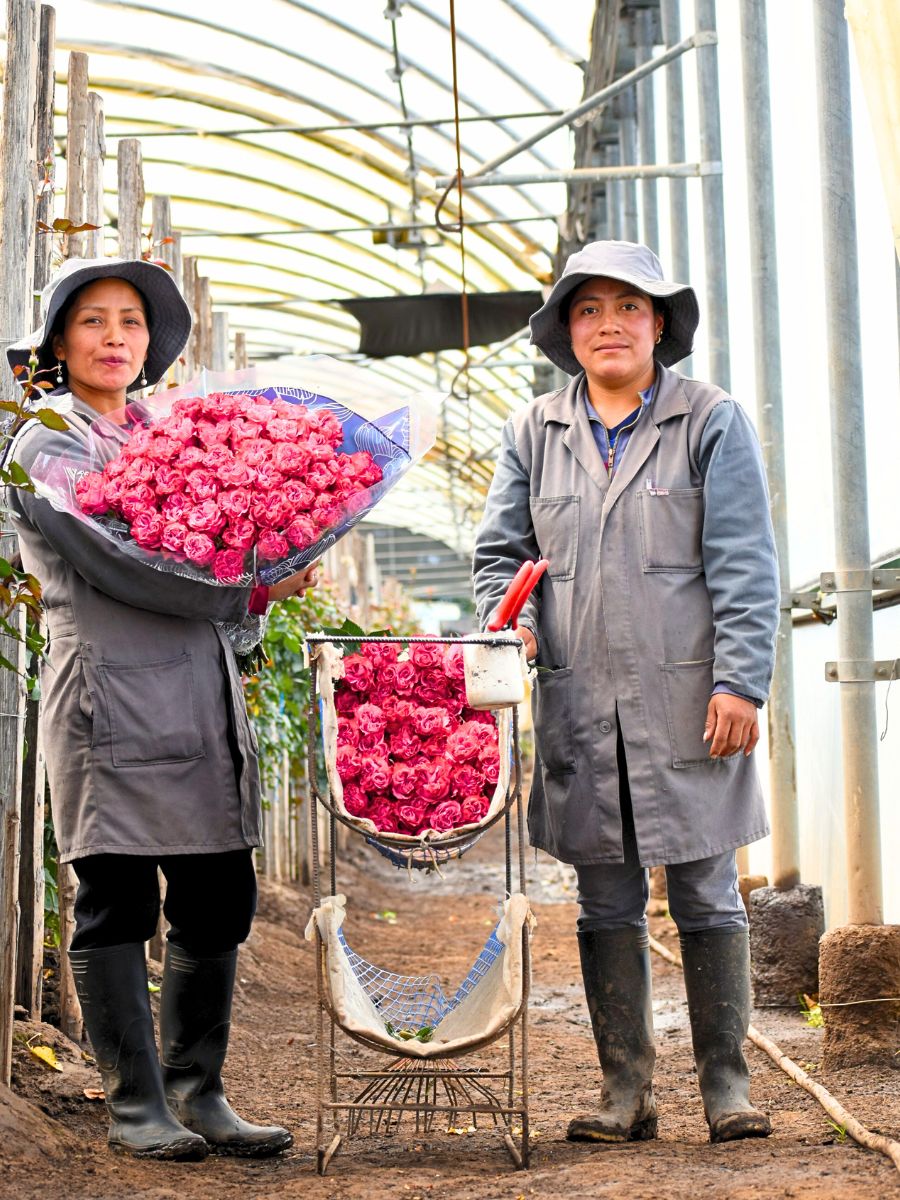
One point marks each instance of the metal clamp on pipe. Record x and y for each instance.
(851, 670)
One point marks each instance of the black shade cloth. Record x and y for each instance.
(411, 325)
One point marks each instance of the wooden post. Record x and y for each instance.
(240, 350)
(94, 157)
(18, 185)
(204, 323)
(131, 198)
(70, 1021)
(77, 117)
(219, 353)
(189, 291)
(44, 107)
(30, 954)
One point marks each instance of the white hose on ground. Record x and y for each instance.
(835, 1110)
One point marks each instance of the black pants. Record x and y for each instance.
(210, 900)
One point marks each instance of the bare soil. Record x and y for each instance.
(52, 1137)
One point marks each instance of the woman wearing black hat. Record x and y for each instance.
(150, 755)
(654, 633)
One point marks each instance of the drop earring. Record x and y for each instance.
(59, 374)
(143, 378)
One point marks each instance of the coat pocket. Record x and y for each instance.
(552, 710)
(152, 711)
(555, 520)
(687, 687)
(671, 529)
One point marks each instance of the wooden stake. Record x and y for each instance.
(30, 953)
(70, 1021)
(204, 323)
(131, 198)
(94, 157)
(189, 291)
(46, 153)
(219, 353)
(77, 117)
(240, 350)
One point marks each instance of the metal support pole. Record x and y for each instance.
(587, 108)
(848, 456)
(628, 155)
(713, 202)
(613, 196)
(767, 354)
(646, 119)
(678, 205)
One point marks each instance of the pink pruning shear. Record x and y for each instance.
(523, 584)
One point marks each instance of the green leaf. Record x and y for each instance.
(51, 418)
(18, 475)
(6, 665)
(5, 568)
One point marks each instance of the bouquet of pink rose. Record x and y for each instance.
(404, 753)
(234, 485)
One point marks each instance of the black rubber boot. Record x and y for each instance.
(717, 978)
(195, 1017)
(115, 1003)
(615, 965)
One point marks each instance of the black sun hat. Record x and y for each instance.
(168, 315)
(635, 265)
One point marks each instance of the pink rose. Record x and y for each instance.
(228, 566)
(372, 742)
(473, 809)
(281, 430)
(90, 495)
(217, 457)
(412, 816)
(234, 503)
(139, 470)
(401, 677)
(201, 484)
(355, 800)
(200, 548)
(212, 433)
(348, 762)
(137, 499)
(454, 664)
(446, 816)
(382, 653)
(434, 688)
(375, 772)
(347, 733)
(403, 781)
(462, 744)
(239, 533)
(269, 510)
(430, 721)
(236, 473)
(435, 747)
(383, 816)
(176, 507)
(298, 495)
(397, 711)
(173, 536)
(255, 451)
(346, 701)
(163, 449)
(329, 426)
(476, 716)
(404, 744)
(206, 517)
(190, 457)
(188, 406)
(370, 719)
(433, 779)
(117, 466)
(426, 655)
(359, 672)
(178, 426)
(489, 765)
(272, 546)
(467, 780)
(168, 480)
(268, 476)
(146, 529)
(290, 458)
(113, 490)
(301, 532)
(318, 477)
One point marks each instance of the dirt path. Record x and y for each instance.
(441, 925)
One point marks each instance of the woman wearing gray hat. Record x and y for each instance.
(150, 756)
(654, 632)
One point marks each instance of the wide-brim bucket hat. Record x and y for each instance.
(635, 265)
(168, 315)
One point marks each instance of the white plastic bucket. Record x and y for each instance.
(496, 673)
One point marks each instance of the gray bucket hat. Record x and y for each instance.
(168, 315)
(633, 264)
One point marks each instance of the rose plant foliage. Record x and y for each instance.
(412, 757)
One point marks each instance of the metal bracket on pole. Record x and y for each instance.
(811, 600)
(580, 174)
(834, 582)
(850, 670)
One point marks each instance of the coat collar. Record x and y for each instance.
(670, 399)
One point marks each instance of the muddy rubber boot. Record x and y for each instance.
(195, 1018)
(115, 1003)
(615, 965)
(717, 979)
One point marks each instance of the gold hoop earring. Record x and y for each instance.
(659, 337)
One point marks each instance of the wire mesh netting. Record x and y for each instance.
(417, 1001)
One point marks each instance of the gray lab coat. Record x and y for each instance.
(146, 737)
(662, 582)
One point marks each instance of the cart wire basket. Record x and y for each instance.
(425, 1031)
